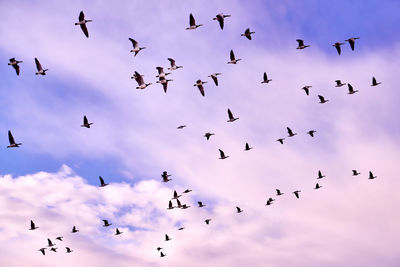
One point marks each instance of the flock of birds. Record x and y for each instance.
(162, 79)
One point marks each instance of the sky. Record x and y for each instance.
(52, 178)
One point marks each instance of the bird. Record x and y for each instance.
(296, 193)
(161, 73)
(162, 254)
(247, 33)
(280, 140)
(301, 44)
(173, 64)
(269, 201)
(320, 176)
(230, 115)
(247, 147)
(337, 46)
(311, 132)
(179, 204)
(208, 135)
(39, 68)
(278, 192)
(355, 173)
(200, 204)
(106, 223)
(307, 89)
(207, 221)
(50, 244)
(222, 154)
(339, 83)
(42, 250)
(136, 47)
(317, 186)
(187, 191)
(12, 141)
(214, 77)
(54, 249)
(167, 238)
(86, 122)
(68, 250)
(59, 238)
(159, 248)
(140, 81)
(14, 63)
(199, 85)
(181, 127)
(184, 206)
(176, 196)
(238, 210)
(322, 99)
(220, 17)
(374, 83)
(102, 184)
(33, 226)
(352, 41)
(371, 175)
(165, 176)
(74, 230)
(265, 78)
(170, 207)
(233, 59)
(181, 228)
(192, 23)
(351, 90)
(117, 232)
(290, 132)
(164, 83)
(82, 22)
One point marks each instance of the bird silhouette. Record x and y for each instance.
(220, 18)
(12, 141)
(352, 42)
(301, 44)
(117, 232)
(371, 175)
(265, 78)
(106, 223)
(68, 250)
(247, 147)
(82, 22)
(238, 210)
(192, 23)
(296, 193)
(247, 33)
(320, 176)
(233, 58)
(39, 68)
(222, 154)
(14, 63)
(86, 122)
(136, 49)
(290, 132)
(355, 173)
(33, 226)
(102, 183)
(322, 100)
(230, 115)
(74, 230)
(374, 83)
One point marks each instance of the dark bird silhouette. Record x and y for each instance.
(159, 248)
(247, 147)
(337, 46)
(12, 141)
(247, 33)
(322, 99)
(238, 210)
(117, 232)
(265, 78)
(176, 196)
(164, 82)
(167, 238)
(165, 176)
(181, 228)
(208, 135)
(371, 176)
(162, 254)
(220, 18)
(102, 184)
(39, 68)
(296, 193)
(74, 230)
(355, 173)
(230, 115)
(374, 83)
(278, 192)
(173, 64)
(301, 44)
(269, 201)
(311, 132)
(280, 140)
(290, 132)
(187, 191)
(307, 89)
(181, 127)
(106, 223)
(82, 22)
(317, 186)
(320, 176)
(199, 85)
(352, 41)
(54, 249)
(192, 23)
(139, 79)
(222, 154)
(200, 204)
(50, 244)
(184, 206)
(42, 250)
(161, 73)
(207, 221)
(14, 63)
(86, 122)
(59, 238)
(351, 90)
(68, 250)
(33, 226)
(233, 59)
(215, 78)
(339, 83)
(136, 49)
(179, 204)
(170, 207)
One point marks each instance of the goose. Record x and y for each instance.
(167, 238)
(311, 132)
(117, 232)
(181, 127)
(33, 226)
(68, 250)
(199, 85)
(269, 201)
(184, 206)
(352, 41)
(307, 89)
(106, 223)
(50, 244)
(220, 17)
(351, 90)
(339, 83)
(187, 191)
(42, 250)
(207, 221)
(39, 68)
(179, 204)
(208, 135)
(301, 44)
(181, 228)
(290, 132)
(12, 141)
(86, 122)
(161, 73)
(164, 83)
(247, 147)
(140, 81)
(233, 59)
(265, 78)
(322, 99)
(214, 77)
(317, 186)
(230, 115)
(170, 207)
(320, 176)
(374, 83)
(337, 46)
(200, 204)
(14, 63)
(176, 196)
(162, 254)
(82, 23)
(278, 192)
(222, 154)
(59, 238)
(102, 184)
(159, 248)
(371, 176)
(173, 64)
(296, 193)
(238, 210)
(54, 249)
(247, 33)
(355, 173)
(280, 140)
(165, 176)
(74, 230)
(192, 23)
(136, 47)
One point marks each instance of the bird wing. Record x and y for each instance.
(338, 48)
(139, 78)
(265, 76)
(221, 21)
(160, 70)
(172, 62)
(134, 43)
(49, 241)
(215, 79)
(301, 42)
(11, 138)
(165, 86)
(350, 87)
(232, 55)
(101, 180)
(222, 154)
(81, 16)
(16, 67)
(230, 114)
(192, 22)
(373, 80)
(32, 224)
(247, 146)
(85, 30)
(85, 120)
(38, 66)
(201, 88)
(238, 209)
(321, 98)
(290, 132)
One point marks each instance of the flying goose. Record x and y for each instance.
(164, 83)
(230, 115)
(290, 132)
(207, 221)
(179, 204)
(11, 140)
(352, 41)
(184, 206)
(167, 238)
(269, 201)
(320, 176)
(247, 33)
(222, 154)
(307, 89)
(355, 173)
(296, 193)
(214, 77)
(117, 232)
(165, 176)
(265, 78)
(181, 228)
(86, 122)
(161, 73)
(162, 254)
(33, 226)
(374, 83)
(136, 47)
(50, 244)
(238, 210)
(317, 186)
(42, 250)
(140, 81)
(311, 132)
(170, 207)
(68, 250)
(208, 135)
(278, 192)
(14, 64)
(200, 204)
(192, 23)
(339, 83)
(181, 127)
(173, 64)
(39, 68)
(247, 147)
(199, 85)
(337, 46)
(322, 99)
(220, 17)
(102, 184)
(176, 196)
(187, 191)
(59, 238)
(54, 249)
(280, 140)
(371, 176)
(233, 59)
(74, 230)
(351, 90)
(82, 23)
(301, 44)
(159, 248)
(106, 223)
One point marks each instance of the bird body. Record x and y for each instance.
(280, 140)
(106, 223)
(181, 127)
(102, 183)
(167, 238)
(317, 186)
(322, 100)
(164, 83)
(339, 83)
(290, 132)
(42, 250)
(238, 210)
(371, 175)
(74, 230)
(355, 173)
(374, 83)
(337, 46)
(165, 176)
(311, 132)
(320, 176)
(307, 89)
(247, 147)
(278, 192)
(139, 79)
(296, 193)
(207, 221)
(187, 191)
(173, 64)
(117, 232)
(351, 90)
(200, 204)
(68, 250)
(208, 135)
(50, 244)
(176, 196)
(33, 226)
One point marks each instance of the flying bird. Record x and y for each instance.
(208, 135)
(136, 47)
(42, 250)
(307, 89)
(320, 176)
(337, 46)
(200, 204)
(339, 83)
(207, 221)
(162, 254)
(140, 81)
(159, 248)
(176, 196)
(14, 63)
(74, 230)
(39, 68)
(33, 226)
(117, 232)
(170, 207)
(164, 83)
(222, 154)
(179, 204)
(199, 85)
(181, 228)
(187, 191)
(59, 238)
(247, 33)
(322, 99)
(161, 73)
(12, 141)
(290, 132)
(374, 83)
(54, 249)
(238, 210)
(106, 223)
(102, 184)
(220, 17)
(278, 192)
(280, 140)
(247, 147)
(86, 122)
(371, 176)
(184, 206)
(215, 78)
(355, 173)
(352, 41)
(311, 132)
(173, 64)
(296, 193)
(230, 115)
(301, 44)
(192, 23)
(50, 244)
(233, 59)
(68, 250)
(82, 22)
(317, 186)
(165, 176)
(269, 201)
(351, 90)
(167, 238)
(265, 78)
(181, 127)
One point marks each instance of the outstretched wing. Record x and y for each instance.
(192, 22)
(38, 66)
(232, 55)
(85, 30)
(290, 132)
(11, 138)
(230, 114)
(221, 21)
(134, 43)
(301, 42)
(222, 154)
(81, 16)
